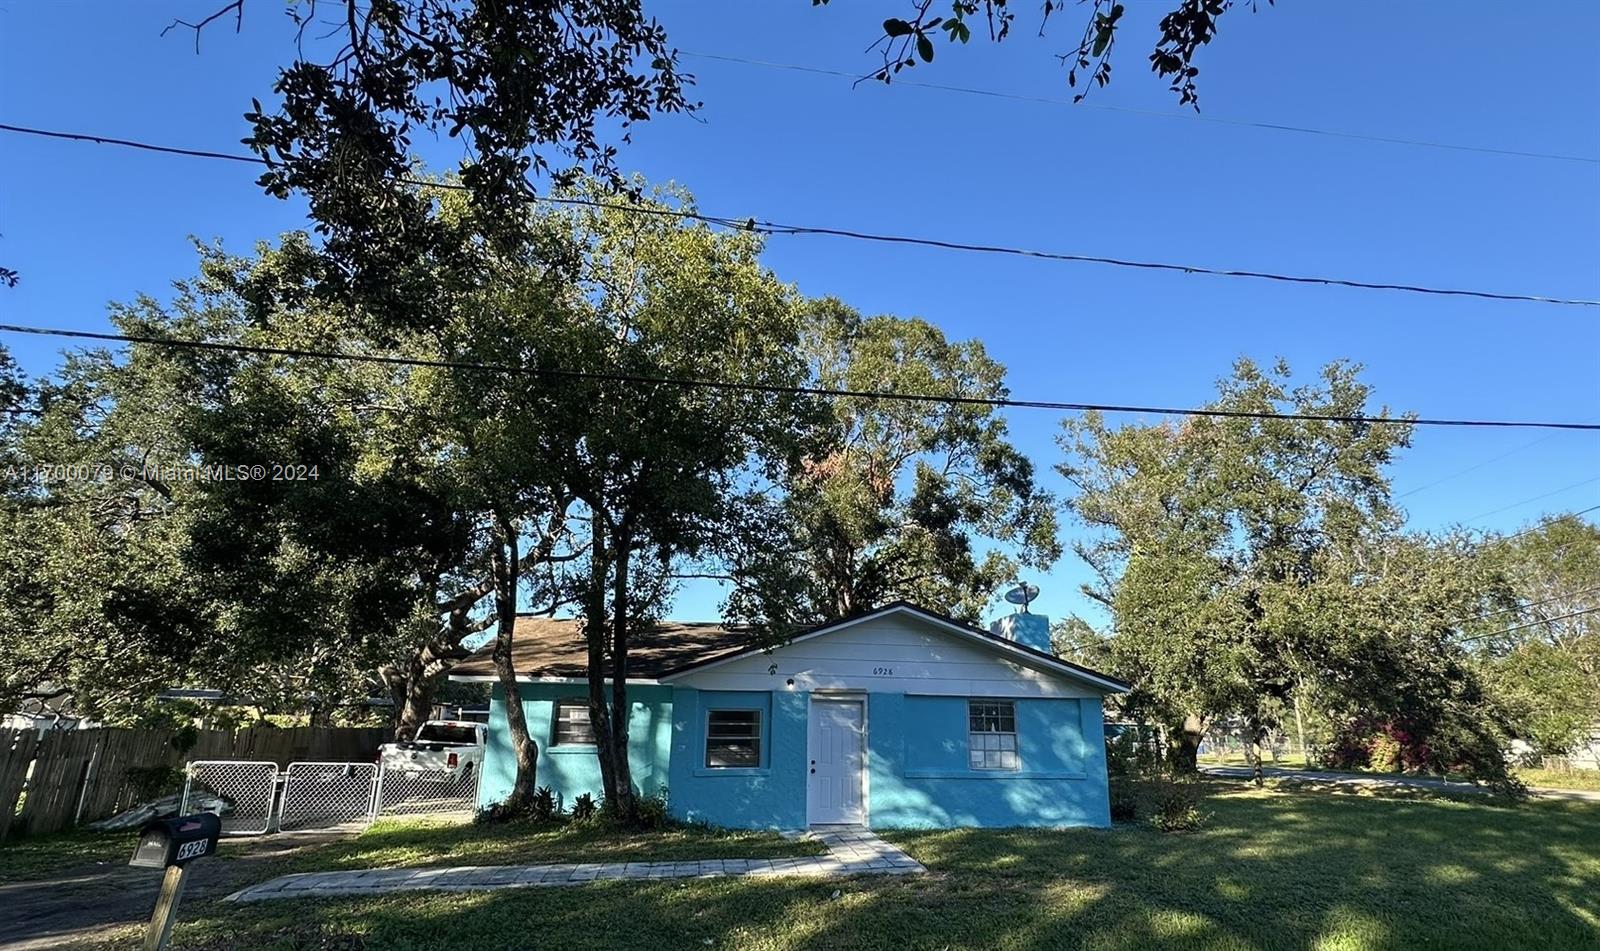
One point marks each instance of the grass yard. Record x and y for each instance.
(1549, 778)
(25, 859)
(1561, 778)
(1273, 869)
(1289, 760)
(417, 843)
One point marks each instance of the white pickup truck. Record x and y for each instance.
(447, 749)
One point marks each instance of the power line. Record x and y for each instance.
(1525, 606)
(1475, 468)
(1522, 627)
(1553, 518)
(630, 378)
(1191, 116)
(1546, 495)
(764, 226)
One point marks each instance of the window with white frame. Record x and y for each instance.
(992, 734)
(733, 738)
(571, 725)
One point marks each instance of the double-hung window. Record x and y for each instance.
(570, 725)
(733, 738)
(992, 734)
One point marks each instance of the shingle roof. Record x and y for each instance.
(554, 647)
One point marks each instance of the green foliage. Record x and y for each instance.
(1541, 652)
(528, 85)
(1251, 561)
(153, 782)
(1173, 804)
(1182, 31)
(894, 499)
(583, 808)
(545, 807)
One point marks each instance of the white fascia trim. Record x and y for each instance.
(525, 679)
(1026, 657)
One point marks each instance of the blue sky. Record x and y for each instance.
(87, 224)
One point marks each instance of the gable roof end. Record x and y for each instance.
(987, 639)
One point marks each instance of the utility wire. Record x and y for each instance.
(1548, 519)
(1522, 627)
(1474, 468)
(1525, 606)
(999, 402)
(1546, 495)
(1192, 116)
(768, 227)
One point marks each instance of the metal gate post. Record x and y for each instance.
(377, 793)
(188, 781)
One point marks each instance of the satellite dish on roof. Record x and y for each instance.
(1023, 595)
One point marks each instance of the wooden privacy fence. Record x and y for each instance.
(60, 778)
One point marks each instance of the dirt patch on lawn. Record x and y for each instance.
(84, 901)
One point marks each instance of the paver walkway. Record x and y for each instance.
(1380, 780)
(852, 850)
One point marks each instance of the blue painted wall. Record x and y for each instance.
(573, 770)
(772, 795)
(918, 775)
(919, 778)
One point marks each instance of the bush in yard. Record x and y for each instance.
(583, 808)
(1124, 799)
(1174, 805)
(154, 782)
(652, 811)
(1453, 744)
(544, 807)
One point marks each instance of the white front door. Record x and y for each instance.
(836, 751)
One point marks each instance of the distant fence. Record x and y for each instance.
(59, 778)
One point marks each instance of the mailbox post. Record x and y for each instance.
(171, 844)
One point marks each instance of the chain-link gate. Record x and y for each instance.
(428, 792)
(246, 790)
(321, 795)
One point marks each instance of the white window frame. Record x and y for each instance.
(555, 724)
(755, 737)
(992, 750)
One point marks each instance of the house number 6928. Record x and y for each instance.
(883, 671)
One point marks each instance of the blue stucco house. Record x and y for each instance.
(898, 718)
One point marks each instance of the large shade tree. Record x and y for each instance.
(1252, 563)
(915, 499)
(1541, 653)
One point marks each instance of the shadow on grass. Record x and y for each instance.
(414, 843)
(1273, 870)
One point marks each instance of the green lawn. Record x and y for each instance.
(1549, 778)
(25, 859)
(415, 843)
(1274, 869)
(1231, 758)
(1561, 778)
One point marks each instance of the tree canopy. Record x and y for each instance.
(1254, 564)
(895, 499)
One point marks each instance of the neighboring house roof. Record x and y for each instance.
(549, 648)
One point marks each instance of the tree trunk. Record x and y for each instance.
(1184, 746)
(506, 564)
(1252, 750)
(621, 610)
(413, 691)
(595, 630)
(1300, 731)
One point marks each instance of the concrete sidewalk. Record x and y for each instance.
(851, 851)
(1387, 780)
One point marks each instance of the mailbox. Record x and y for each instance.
(166, 843)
